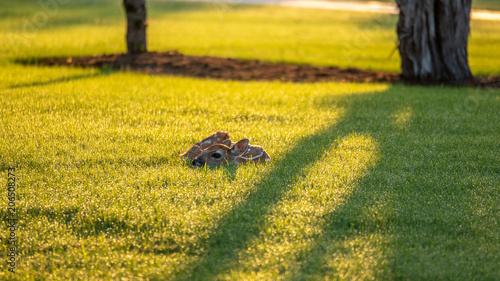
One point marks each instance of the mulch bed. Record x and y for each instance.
(175, 63)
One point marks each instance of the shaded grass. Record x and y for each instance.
(476, 4)
(486, 4)
(376, 228)
(404, 207)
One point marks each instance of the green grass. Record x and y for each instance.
(486, 4)
(476, 4)
(368, 181)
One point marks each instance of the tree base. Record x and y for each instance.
(433, 37)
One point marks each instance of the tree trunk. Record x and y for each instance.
(433, 37)
(136, 26)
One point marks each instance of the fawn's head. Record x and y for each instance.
(221, 153)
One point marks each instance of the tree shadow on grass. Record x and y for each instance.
(58, 80)
(240, 225)
(412, 215)
(404, 203)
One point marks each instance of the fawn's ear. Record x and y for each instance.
(240, 147)
(227, 143)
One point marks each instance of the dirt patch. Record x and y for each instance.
(175, 63)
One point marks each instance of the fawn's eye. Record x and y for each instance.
(216, 155)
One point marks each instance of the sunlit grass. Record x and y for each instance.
(476, 4)
(368, 181)
(294, 224)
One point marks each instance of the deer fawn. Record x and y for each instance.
(217, 150)
(197, 149)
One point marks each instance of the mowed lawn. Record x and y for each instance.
(368, 181)
(476, 4)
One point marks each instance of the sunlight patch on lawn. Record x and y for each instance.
(296, 223)
(402, 118)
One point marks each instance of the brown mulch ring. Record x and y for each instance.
(175, 63)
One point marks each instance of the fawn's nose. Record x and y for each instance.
(197, 162)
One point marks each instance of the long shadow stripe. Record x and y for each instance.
(244, 222)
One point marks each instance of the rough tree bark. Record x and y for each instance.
(433, 37)
(136, 26)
